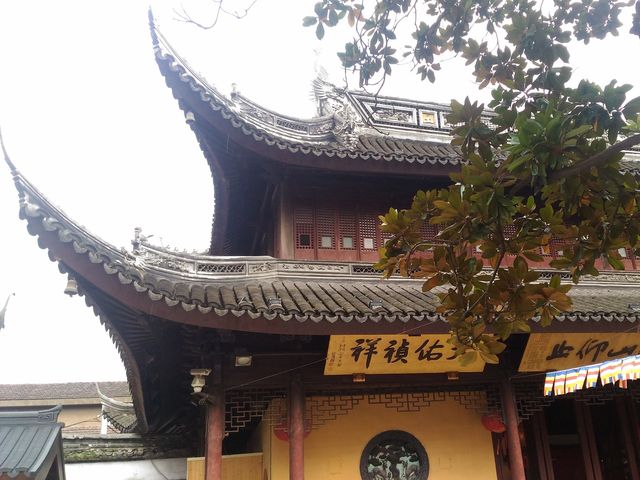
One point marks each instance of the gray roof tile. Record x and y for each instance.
(58, 391)
(26, 439)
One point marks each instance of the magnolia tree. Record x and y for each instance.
(546, 164)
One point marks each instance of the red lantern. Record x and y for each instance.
(493, 423)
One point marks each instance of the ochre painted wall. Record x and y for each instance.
(458, 446)
(247, 466)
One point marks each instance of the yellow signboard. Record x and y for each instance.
(560, 351)
(393, 354)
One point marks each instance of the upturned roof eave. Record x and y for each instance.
(200, 113)
(176, 286)
(320, 151)
(52, 219)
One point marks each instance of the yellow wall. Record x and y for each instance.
(458, 446)
(247, 466)
(81, 418)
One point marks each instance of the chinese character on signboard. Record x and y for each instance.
(389, 354)
(560, 351)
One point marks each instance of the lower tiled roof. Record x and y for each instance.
(58, 391)
(26, 440)
(269, 288)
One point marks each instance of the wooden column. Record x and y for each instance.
(626, 426)
(296, 430)
(215, 434)
(541, 442)
(516, 463)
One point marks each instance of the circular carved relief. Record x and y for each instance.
(394, 455)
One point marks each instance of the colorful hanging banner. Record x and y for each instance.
(394, 354)
(592, 376)
(558, 383)
(562, 351)
(618, 371)
(548, 383)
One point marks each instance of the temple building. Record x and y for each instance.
(281, 353)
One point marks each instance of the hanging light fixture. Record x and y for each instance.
(72, 287)
(199, 378)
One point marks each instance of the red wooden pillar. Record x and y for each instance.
(296, 430)
(215, 435)
(516, 463)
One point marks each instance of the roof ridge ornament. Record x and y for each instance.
(331, 100)
(3, 312)
(5, 154)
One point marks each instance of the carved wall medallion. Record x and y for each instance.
(394, 455)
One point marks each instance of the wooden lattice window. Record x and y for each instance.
(303, 218)
(326, 228)
(348, 233)
(368, 230)
(428, 232)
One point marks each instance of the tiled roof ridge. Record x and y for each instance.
(157, 282)
(261, 132)
(249, 117)
(62, 390)
(258, 290)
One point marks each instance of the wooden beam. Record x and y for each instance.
(214, 435)
(296, 430)
(513, 436)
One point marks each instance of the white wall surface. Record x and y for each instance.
(164, 469)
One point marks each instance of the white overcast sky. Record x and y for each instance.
(86, 116)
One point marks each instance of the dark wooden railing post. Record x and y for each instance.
(296, 430)
(215, 434)
(516, 463)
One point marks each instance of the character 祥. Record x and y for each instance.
(368, 347)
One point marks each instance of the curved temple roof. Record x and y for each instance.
(257, 294)
(241, 293)
(264, 294)
(350, 124)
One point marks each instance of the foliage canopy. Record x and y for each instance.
(546, 164)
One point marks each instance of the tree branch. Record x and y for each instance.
(594, 161)
(186, 18)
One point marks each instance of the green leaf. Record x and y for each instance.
(576, 132)
(520, 266)
(632, 108)
(468, 357)
(431, 76)
(308, 21)
(489, 357)
(615, 263)
(514, 164)
(546, 213)
(533, 256)
(320, 31)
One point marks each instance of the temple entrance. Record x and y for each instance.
(592, 440)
